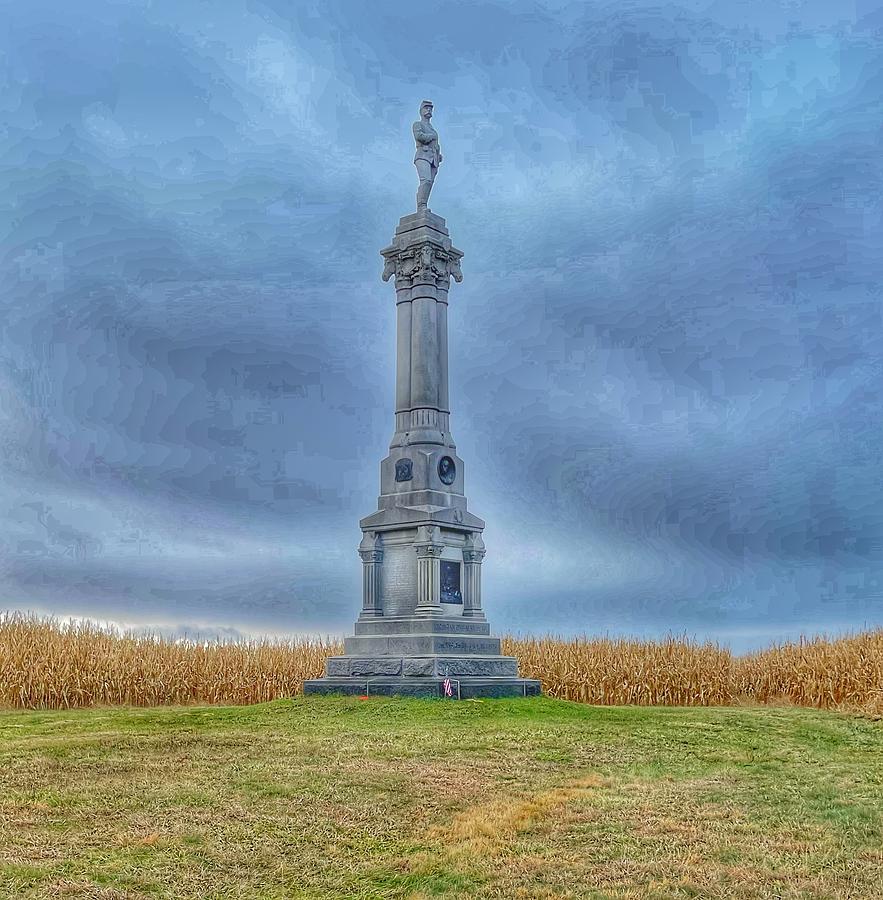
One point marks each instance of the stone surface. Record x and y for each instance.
(476, 665)
(417, 666)
(425, 687)
(421, 645)
(348, 665)
(389, 625)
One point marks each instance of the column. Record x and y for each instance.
(429, 550)
(424, 353)
(442, 313)
(371, 552)
(403, 356)
(423, 262)
(473, 554)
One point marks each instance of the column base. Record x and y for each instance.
(428, 612)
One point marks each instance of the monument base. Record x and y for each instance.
(412, 656)
(466, 688)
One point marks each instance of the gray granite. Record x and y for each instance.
(425, 687)
(409, 625)
(385, 665)
(420, 645)
(417, 666)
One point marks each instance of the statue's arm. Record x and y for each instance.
(421, 135)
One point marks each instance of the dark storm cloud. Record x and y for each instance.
(665, 356)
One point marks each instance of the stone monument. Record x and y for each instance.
(422, 623)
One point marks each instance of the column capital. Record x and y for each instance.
(474, 542)
(417, 267)
(473, 548)
(428, 542)
(371, 547)
(422, 257)
(429, 550)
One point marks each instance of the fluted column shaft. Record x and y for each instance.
(429, 550)
(473, 554)
(371, 553)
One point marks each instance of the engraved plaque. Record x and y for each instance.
(450, 582)
(399, 580)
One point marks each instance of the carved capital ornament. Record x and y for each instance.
(422, 263)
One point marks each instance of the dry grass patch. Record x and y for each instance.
(667, 839)
(485, 829)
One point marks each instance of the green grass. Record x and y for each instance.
(337, 797)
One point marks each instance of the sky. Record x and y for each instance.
(666, 355)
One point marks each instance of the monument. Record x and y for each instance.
(422, 630)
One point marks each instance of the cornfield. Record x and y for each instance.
(45, 664)
(48, 665)
(670, 672)
(844, 673)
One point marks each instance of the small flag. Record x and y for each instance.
(447, 686)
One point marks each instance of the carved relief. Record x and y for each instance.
(473, 556)
(424, 263)
(428, 543)
(425, 551)
(371, 548)
(473, 550)
(389, 268)
(447, 470)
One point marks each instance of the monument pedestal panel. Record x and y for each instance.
(420, 666)
(461, 688)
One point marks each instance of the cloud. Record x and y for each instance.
(664, 356)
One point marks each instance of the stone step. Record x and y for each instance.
(421, 666)
(421, 645)
(463, 688)
(388, 625)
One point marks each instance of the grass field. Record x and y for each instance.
(337, 797)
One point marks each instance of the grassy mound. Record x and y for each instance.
(336, 797)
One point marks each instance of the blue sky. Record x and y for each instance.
(666, 354)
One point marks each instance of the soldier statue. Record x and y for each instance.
(428, 156)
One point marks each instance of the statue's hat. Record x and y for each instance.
(426, 103)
